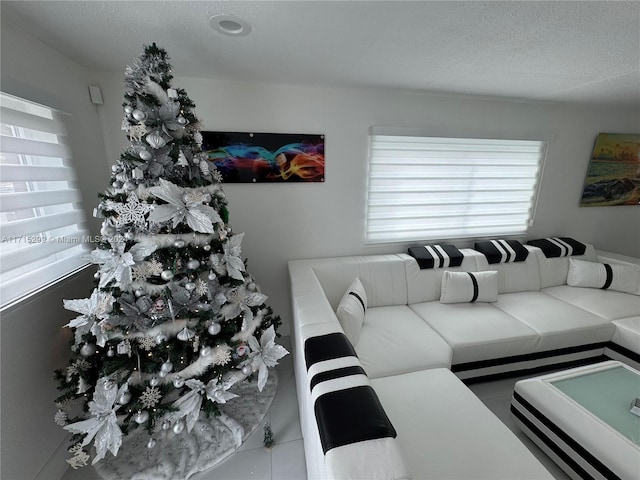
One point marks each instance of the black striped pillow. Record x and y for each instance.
(469, 287)
(437, 256)
(502, 251)
(351, 310)
(558, 246)
(621, 278)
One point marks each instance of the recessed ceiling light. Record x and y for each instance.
(230, 25)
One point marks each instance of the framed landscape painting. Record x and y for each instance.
(266, 157)
(613, 177)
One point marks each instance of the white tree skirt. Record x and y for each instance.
(209, 442)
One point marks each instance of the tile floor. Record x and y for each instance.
(286, 460)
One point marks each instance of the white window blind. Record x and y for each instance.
(432, 188)
(42, 224)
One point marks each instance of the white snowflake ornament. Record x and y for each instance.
(131, 212)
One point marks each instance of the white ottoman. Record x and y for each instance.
(581, 418)
(625, 343)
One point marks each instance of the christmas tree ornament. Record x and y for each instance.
(166, 275)
(141, 417)
(192, 264)
(87, 349)
(169, 268)
(178, 428)
(178, 382)
(138, 115)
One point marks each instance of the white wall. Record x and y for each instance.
(33, 343)
(284, 222)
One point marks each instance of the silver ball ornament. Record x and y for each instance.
(141, 417)
(124, 398)
(128, 109)
(88, 349)
(138, 114)
(178, 382)
(192, 264)
(151, 443)
(166, 275)
(111, 352)
(181, 120)
(145, 155)
(154, 382)
(206, 248)
(247, 369)
(166, 367)
(117, 184)
(214, 329)
(166, 425)
(178, 428)
(139, 292)
(212, 276)
(179, 243)
(96, 275)
(190, 286)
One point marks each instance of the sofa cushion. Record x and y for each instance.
(559, 324)
(395, 340)
(351, 310)
(477, 331)
(469, 287)
(553, 271)
(620, 278)
(627, 333)
(423, 285)
(605, 303)
(383, 277)
(514, 277)
(443, 430)
(559, 246)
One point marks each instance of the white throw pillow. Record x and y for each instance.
(351, 310)
(621, 278)
(459, 287)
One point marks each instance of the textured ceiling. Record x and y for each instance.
(553, 51)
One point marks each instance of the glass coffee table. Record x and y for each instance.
(581, 418)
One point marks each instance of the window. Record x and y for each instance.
(432, 188)
(42, 224)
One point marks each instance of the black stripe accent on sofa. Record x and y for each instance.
(474, 281)
(624, 351)
(530, 371)
(426, 260)
(552, 250)
(609, 271)
(553, 446)
(337, 373)
(350, 416)
(359, 298)
(326, 347)
(494, 254)
(493, 362)
(566, 438)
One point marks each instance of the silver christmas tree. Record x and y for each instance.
(175, 320)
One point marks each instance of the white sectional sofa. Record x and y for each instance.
(412, 353)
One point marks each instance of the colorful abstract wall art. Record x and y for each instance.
(613, 177)
(266, 157)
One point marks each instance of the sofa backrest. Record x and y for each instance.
(515, 276)
(383, 278)
(553, 271)
(424, 285)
